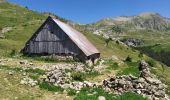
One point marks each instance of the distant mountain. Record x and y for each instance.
(149, 32)
(143, 21)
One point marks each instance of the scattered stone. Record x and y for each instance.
(11, 73)
(16, 98)
(101, 98)
(23, 62)
(28, 81)
(146, 84)
(6, 29)
(31, 64)
(24, 74)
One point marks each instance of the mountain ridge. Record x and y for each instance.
(149, 21)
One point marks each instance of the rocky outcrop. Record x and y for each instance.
(133, 42)
(147, 84)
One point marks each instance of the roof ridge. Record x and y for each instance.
(77, 37)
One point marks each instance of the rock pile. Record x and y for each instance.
(58, 77)
(28, 81)
(133, 42)
(147, 84)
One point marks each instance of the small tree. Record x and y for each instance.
(26, 7)
(128, 59)
(117, 29)
(140, 55)
(108, 40)
(13, 53)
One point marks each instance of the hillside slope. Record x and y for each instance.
(23, 23)
(151, 29)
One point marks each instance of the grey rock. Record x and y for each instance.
(101, 98)
(11, 73)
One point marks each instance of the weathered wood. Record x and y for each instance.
(50, 39)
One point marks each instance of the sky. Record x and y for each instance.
(88, 11)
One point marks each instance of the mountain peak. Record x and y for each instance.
(148, 14)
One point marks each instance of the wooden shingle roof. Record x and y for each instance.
(77, 37)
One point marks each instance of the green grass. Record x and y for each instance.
(112, 65)
(164, 75)
(93, 94)
(5, 67)
(132, 68)
(130, 96)
(19, 69)
(151, 62)
(36, 71)
(77, 76)
(50, 87)
(71, 92)
(81, 76)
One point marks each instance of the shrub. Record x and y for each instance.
(12, 53)
(128, 59)
(152, 63)
(117, 42)
(140, 55)
(77, 76)
(71, 92)
(50, 87)
(107, 41)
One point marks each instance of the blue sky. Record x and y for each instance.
(88, 11)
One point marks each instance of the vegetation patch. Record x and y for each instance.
(93, 94)
(36, 71)
(131, 69)
(39, 58)
(78, 76)
(81, 76)
(130, 96)
(5, 67)
(112, 64)
(19, 69)
(128, 59)
(50, 87)
(71, 92)
(152, 63)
